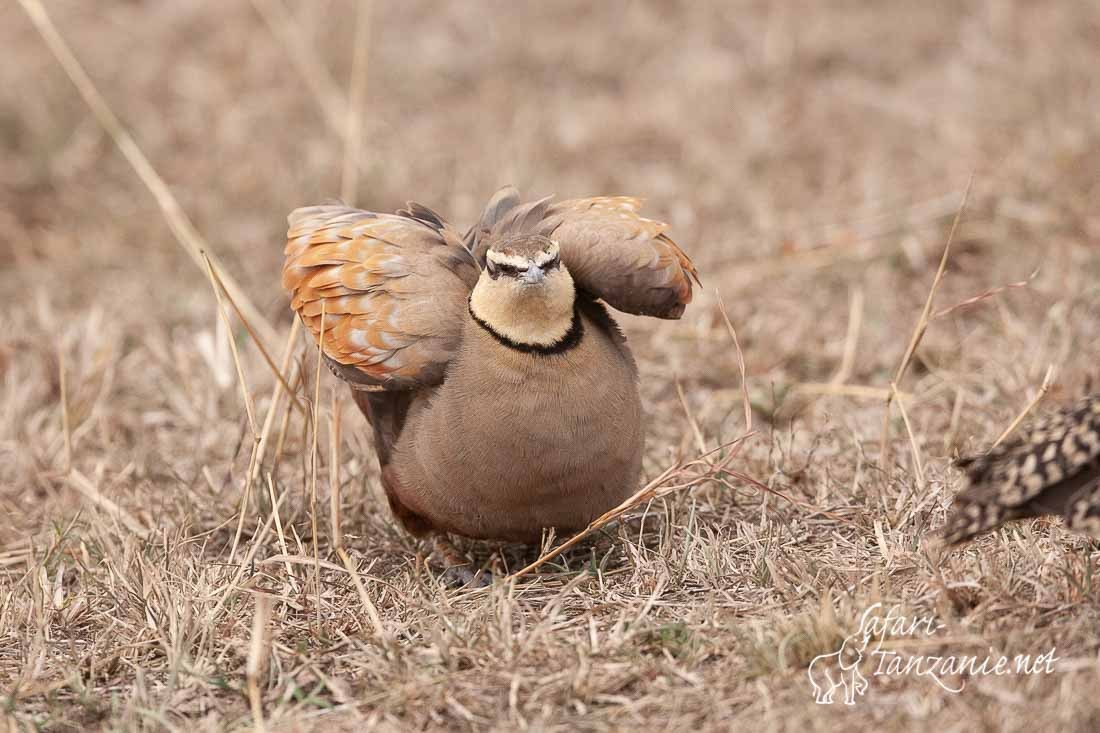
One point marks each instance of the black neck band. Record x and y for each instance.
(571, 338)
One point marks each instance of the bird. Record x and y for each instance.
(1050, 467)
(502, 395)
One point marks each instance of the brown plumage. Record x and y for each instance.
(502, 395)
(612, 252)
(1050, 467)
(393, 288)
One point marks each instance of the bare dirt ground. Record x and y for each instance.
(809, 156)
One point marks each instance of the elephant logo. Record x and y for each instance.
(840, 669)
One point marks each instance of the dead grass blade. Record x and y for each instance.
(334, 474)
(289, 560)
(258, 650)
(364, 598)
(837, 386)
(985, 295)
(181, 226)
(746, 404)
(858, 391)
(259, 446)
(81, 483)
(288, 366)
(357, 94)
(851, 337)
(700, 443)
(278, 372)
(922, 326)
(1048, 379)
(279, 526)
(257, 542)
(309, 65)
(249, 408)
(313, 461)
(917, 465)
(63, 387)
(246, 499)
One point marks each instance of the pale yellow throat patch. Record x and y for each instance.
(538, 315)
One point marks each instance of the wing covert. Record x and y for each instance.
(392, 287)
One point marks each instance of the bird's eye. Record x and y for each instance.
(508, 269)
(552, 263)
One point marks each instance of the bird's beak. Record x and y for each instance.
(533, 275)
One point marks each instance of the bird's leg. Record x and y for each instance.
(457, 568)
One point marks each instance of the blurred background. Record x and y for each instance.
(810, 157)
(757, 129)
(803, 155)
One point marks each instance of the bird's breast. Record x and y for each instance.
(514, 442)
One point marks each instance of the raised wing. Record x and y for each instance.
(500, 203)
(393, 289)
(611, 251)
(617, 255)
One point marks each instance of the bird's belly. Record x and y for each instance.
(520, 460)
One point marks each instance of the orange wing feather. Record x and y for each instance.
(393, 289)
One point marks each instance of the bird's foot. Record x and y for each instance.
(465, 576)
(458, 571)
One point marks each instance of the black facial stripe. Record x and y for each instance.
(495, 269)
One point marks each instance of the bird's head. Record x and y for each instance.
(524, 261)
(525, 293)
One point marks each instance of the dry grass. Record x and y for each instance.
(810, 158)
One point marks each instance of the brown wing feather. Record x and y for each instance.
(611, 251)
(621, 257)
(393, 289)
(500, 203)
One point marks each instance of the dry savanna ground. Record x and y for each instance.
(810, 156)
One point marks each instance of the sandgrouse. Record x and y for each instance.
(502, 395)
(1051, 466)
